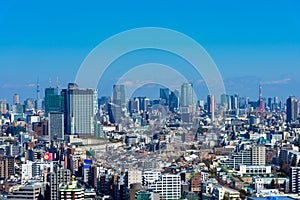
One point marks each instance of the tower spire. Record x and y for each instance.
(57, 82)
(261, 106)
(38, 91)
(50, 82)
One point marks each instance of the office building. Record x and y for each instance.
(81, 105)
(174, 101)
(168, 186)
(16, 99)
(224, 101)
(164, 95)
(29, 104)
(119, 95)
(211, 105)
(3, 106)
(234, 100)
(118, 103)
(187, 95)
(26, 192)
(291, 109)
(56, 125)
(53, 101)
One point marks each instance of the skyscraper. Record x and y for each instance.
(56, 125)
(164, 95)
(53, 100)
(119, 95)
(234, 102)
(16, 99)
(173, 101)
(81, 106)
(291, 109)
(39, 101)
(211, 104)
(3, 106)
(224, 102)
(187, 94)
(115, 112)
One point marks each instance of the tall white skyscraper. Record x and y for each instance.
(187, 95)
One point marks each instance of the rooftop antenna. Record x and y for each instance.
(261, 105)
(38, 91)
(50, 81)
(57, 82)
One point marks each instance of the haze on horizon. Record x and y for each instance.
(250, 42)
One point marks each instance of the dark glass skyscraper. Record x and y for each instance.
(164, 95)
(53, 101)
(291, 109)
(211, 104)
(173, 101)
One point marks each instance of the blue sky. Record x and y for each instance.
(251, 42)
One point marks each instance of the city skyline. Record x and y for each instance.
(151, 91)
(47, 41)
(150, 100)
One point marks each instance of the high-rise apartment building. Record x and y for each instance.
(71, 191)
(258, 154)
(57, 178)
(294, 175)
(7, 167)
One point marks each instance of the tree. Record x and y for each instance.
(243, 194)
(281, 163)
(293, 164)
(273, 184)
